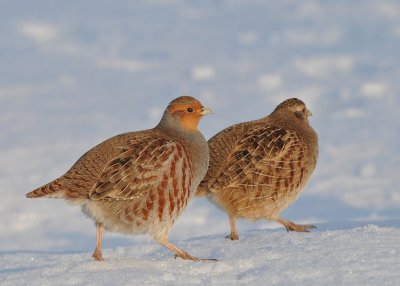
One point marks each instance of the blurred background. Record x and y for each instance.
(75, 74)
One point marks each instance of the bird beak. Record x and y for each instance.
(309, 113)
(205, 111)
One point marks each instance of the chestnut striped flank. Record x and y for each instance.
(161, 200)
(174, 192)
(169, 197)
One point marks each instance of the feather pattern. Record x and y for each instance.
(260, 167)
(139, 182)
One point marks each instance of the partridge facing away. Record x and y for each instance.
(258, 168)
(139, 182)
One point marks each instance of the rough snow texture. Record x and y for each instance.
(339, 254)
(73, 75)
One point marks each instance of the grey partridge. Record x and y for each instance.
(139, 182)
(258, 168)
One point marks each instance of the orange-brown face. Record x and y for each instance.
(189, 113)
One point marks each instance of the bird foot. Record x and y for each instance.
(181, 253)
(300, 227)
(291, 226)
(232, 236)
(97, 255)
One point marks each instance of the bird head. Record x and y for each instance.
(188, 111)
(296, 107)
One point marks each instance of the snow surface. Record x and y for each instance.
(74, 74)
(339, 254)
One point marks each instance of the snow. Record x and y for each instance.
(338, 254)
(74, 75)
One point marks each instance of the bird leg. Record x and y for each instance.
(182, 254)
(97, 253)
(234, 235)
(291, 226)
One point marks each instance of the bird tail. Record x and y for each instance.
(53, 189)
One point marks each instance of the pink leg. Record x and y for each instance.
(97, 253)
(234, 235)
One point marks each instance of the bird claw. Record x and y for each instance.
(232, 237)
(97, 256)
(299, 227)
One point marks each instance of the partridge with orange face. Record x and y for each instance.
(139, 182)
(258, 168)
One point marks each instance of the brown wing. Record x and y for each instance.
(220, 146)
(263, 157)
(138, 168)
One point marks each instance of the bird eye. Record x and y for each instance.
(299, 114)
(189, 109)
